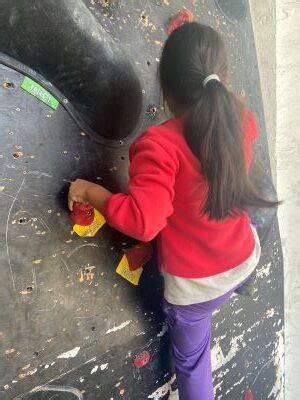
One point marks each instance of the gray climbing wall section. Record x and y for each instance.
(70, 327)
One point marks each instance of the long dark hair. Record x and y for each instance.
(213, 117)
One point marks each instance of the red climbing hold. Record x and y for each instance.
(248, 395)
(138, 255)
(82, 214)
(142, 359)
(182, 17)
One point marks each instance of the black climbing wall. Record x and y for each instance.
(70, 327)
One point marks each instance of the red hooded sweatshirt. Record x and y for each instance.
(163, 199)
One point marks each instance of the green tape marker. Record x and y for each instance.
(39, 92)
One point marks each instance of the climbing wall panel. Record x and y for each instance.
(70, 326)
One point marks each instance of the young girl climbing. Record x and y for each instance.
(189, 186)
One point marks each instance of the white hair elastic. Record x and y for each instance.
(210, 78)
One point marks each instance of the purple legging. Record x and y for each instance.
(190, 329)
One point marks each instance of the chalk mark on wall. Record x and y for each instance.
(53, 388)
(6, 232)
(79, 247)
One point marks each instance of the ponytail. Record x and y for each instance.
(213, 130)
(213, 117)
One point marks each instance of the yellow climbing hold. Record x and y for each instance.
(124, 270)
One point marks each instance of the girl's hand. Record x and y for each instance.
(87, 192)
(79, 192)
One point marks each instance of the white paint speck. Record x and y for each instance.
(90, 360)
(32, 372)
(162, 391)
(163, 331)
(263, 271)
(270, 313)
(277, 391)
(103, 366)
(238, 311)
(217, 355)
(95, 369)
(70, 354)
(119, 327)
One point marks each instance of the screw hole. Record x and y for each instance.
(29, 289)
(8, 85)
(23, 220)
(16, 155)
(36, 353)
(122, 157)
(93, 328)
(148, 63)
(152, 111)
(109, 2)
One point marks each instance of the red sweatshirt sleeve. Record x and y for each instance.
(143, 211)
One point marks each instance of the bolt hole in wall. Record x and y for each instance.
(23, 220)
(152, 111)
(8, 85)
(109, 3)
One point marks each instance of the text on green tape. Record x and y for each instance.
(39, 92)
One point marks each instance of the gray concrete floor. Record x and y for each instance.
(280, 82)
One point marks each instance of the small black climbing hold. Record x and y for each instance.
(148, 63)
(93, 328)
(23, 220)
